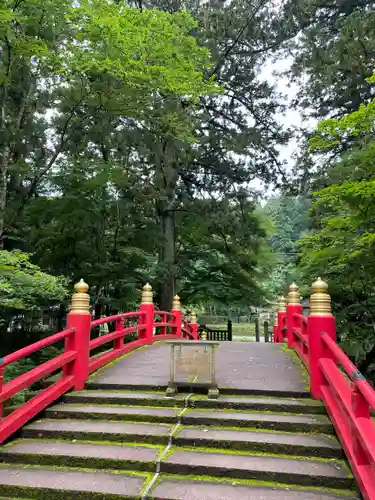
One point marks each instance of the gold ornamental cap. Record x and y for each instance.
(282, 303)
(293, 294)
(193, 318)
(147, 294)
(176, 304)
(80, 299)
(320, 300)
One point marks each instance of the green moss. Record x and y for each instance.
(62, 468)
(255, 453)
(157, 447)
(252, 482)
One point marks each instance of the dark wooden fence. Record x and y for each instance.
(217, 334)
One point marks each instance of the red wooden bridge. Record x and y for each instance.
(294, 420)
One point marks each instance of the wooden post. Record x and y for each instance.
(118, 343)
(275, 327)
(79, 319)
(257, 330)
(294, 307)
(194, 325)
(320, 321)
(266, 333)
(281, 315)
(230, 330)
(177, 320)
(147, 319)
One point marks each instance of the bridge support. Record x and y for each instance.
(79, 319)
(294, 307)
(147, 317)
(320, 322)
(176, 310)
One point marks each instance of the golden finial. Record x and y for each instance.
(293, 295)
(203, 335)
(147, 294)
(80, 299)
(193, 318)
(320, 301)
(282, 303)
(176, 305)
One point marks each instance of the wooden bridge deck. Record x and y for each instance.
(246, 367)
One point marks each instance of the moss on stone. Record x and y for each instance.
(252, 482)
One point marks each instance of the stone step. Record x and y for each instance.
(54, 483)
(138, 413)
(169, 488)
(98, 430)
(225, 402)
(274, 421)
(81, 454)
(304, 445)
(297, 471)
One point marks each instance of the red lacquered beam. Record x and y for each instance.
(26, 351)
(301, 336)
(116, 317)
(27, 379)
(339, 355)
(108, 337)
(364, 427)
(28, 410)
(159, 323)
(301, 318)
(166, 313)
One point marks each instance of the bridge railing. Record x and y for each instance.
(348, 397)
(78, 360)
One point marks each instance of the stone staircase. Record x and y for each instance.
(111, 444)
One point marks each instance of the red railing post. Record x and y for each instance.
(320, 322)
(281, 316)
(147, 319)
(118, 343)
(275, 327)
(177, 316)
(1, 385)
(294, 307)
(79, 319)
(194, 325)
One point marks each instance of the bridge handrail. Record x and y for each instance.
(36, 346)
(351, 371)
(77, 361)
(348, 397)
(115, 317)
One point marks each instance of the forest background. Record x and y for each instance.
(145, 141)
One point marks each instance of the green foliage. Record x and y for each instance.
(24, 286)
(341, 248)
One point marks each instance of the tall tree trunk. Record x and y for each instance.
(168, 260)
(3, 197)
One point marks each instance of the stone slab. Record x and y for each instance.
(112, 412)
(296, 444)
(298, 423)
(122, 397)
(247, 367)
(169, 489)
(97, 430)
(85, 450)
(295, 405)
(87, 483)
(261, 467)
